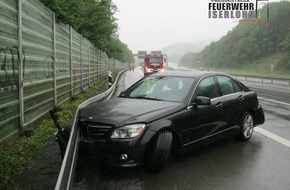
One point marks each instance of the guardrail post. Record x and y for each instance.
(21, 68)
(81, 60)
(98, 63)
(89, 64)
(94, 65)
(54, 60)
(71, 64)
(101, 64)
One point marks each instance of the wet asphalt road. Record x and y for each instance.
(260, 164)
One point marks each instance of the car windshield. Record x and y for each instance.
(161, 88)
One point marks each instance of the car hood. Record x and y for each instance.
(120, 111)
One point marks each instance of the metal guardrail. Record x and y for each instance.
(266, 80)
(259, 79)
(66, 174)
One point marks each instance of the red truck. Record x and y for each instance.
(153, 63)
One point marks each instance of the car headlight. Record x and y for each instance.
(128, 131)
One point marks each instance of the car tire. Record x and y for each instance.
(246, 128)
(159, 151)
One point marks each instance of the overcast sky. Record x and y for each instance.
(154, 24)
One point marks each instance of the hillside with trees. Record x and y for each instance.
(95, 21)
(177, 50)
(249, 42)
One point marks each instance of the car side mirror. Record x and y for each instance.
(202, 101)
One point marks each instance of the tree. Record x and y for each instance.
(248, 42)
(94, 20)
(188, 59)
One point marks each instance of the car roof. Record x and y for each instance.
(187, 73)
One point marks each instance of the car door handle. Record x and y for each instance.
(241, 98)
(219, 105)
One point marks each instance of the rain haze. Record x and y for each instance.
(155, 24)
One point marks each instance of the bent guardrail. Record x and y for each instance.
(66, 173)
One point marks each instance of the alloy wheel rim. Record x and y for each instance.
(248, 126)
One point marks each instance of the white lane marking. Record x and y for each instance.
(273, 136)
(270, 100)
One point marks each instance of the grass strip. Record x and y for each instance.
(16, 153)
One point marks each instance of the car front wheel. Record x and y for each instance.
(247, 127)
(158, 151)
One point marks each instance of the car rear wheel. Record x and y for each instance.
(247, 127)
(158, 151)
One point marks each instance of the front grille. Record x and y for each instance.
(95, 130)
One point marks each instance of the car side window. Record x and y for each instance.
(228, 85)
(207, 88)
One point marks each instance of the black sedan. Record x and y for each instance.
(169, 112)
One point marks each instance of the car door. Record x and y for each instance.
(233, 100)
(205, 120)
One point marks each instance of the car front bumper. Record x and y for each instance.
(113, 151)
